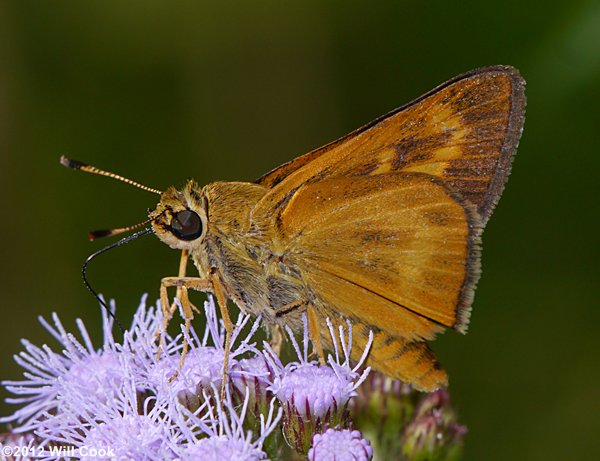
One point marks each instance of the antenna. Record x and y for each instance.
(123, 241)
(76, 165)
(93, 235)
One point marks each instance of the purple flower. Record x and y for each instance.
(253, 373)
(315, 390)
(340, 445)
(135, 400)
(251, 378)
(129, 426)
(313, 395)
(219, 434)
(120, 402)
(94, 369)
(161, 372)
(221, 448)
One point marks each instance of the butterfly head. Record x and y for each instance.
(180, 218)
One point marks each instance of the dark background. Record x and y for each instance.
(163, 91)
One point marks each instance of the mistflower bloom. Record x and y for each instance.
(128, 426)
(133, 400)
(340, 445)
(219, 434)
(252, 377)
(159, 371)
(313, 395)
(93, 369)
(253, 373)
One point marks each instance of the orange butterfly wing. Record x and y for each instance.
(395, 254)
(384, 223)
(402, 242)
(465, 132)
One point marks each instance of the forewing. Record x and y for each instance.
(398, 251)
(464, 132)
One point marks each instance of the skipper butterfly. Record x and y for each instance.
(381, 227)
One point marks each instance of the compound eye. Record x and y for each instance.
(186, 225)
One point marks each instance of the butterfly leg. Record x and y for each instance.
(228, 324)
(164, 302)
(313, 326)
(315, 332)
(183, 262)
(183, 284)
(276, 338)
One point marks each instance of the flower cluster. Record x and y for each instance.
(136, 399)
(314, 396)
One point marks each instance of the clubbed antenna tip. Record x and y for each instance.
(74, 164)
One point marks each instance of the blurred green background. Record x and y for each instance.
(162, 91)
